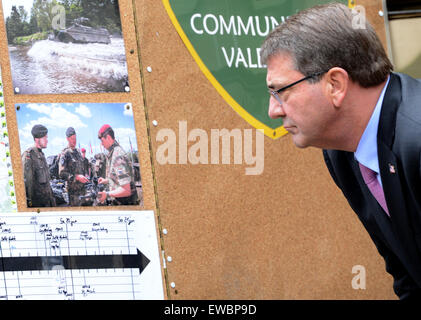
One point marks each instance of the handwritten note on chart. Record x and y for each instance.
(80, 255)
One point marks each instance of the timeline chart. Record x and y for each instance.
(79, 255)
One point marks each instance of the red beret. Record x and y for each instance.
(103, 130)
(83, 150)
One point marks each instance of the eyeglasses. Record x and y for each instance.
(275, 93)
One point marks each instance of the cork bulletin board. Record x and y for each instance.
(286, 233)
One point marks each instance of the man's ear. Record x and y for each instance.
(336, 85)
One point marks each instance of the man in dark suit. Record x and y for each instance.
(333, 86)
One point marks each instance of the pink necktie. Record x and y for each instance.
(370, 178)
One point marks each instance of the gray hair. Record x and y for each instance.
(323, 37)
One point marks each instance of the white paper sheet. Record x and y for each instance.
(80, 255)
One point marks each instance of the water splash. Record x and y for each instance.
(106, 61)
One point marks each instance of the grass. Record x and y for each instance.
(27, 40)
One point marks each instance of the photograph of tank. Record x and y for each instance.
(79, 154)
(65, 46)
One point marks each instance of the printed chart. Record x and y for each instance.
(82, 255)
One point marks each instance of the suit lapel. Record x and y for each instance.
(390, 166)
(376, 213)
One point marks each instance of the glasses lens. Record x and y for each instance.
(276, 96)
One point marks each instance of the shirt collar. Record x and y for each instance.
(366, 152)
(111, 150)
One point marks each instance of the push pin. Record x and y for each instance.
(17, 90)
(155, 123)
(149, 69)
(392, 168)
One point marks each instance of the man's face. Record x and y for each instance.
(83, 154)
(303, 105)
(42, 142)
(107, 141)
(72, 141)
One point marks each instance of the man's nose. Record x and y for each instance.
(276, 109)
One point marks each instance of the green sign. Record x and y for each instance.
(224, 38)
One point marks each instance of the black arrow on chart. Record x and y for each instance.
(75, 262)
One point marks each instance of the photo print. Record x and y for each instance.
(79, 154)
(65, 46)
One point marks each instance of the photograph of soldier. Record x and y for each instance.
(119, 174)
(36, 172)
(71, 169)
(81, 170)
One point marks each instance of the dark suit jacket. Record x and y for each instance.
(398, 238)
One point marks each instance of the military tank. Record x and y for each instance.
(81, 32)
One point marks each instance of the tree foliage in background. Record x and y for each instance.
(16, 24)
(42, 13)
(101, 13)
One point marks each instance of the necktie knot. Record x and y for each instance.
(368, 174)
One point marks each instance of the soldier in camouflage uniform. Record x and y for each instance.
(36, 173)
(71, 169)
(119, 172)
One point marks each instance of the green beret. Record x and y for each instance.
(39, 131)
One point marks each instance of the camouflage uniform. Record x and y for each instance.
(87, 170)
(119, 173)
(99, 166)
(36, 175)
(71, 165)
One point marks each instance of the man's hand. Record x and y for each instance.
(102, 196)
(81, 178)
(101, 180)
